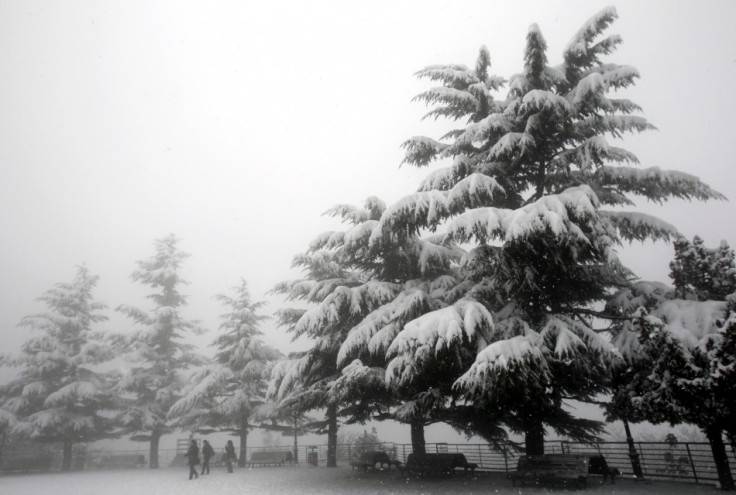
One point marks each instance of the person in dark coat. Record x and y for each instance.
(193, 459)
(230, 457)
(207, 453)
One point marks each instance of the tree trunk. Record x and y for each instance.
(153, 450)
(720, 458)
(332, 436)
(418, 445)
(243, 441)
(633, 454)
(534, 437)
(66, 461)
(296, 444)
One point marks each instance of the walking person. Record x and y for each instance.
(207, 453)
(193, 459)
(230, 455)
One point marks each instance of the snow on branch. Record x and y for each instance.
(656, 184)
(692, 322)
(615, 125)
(326, 240)
(445, 178)
(429, 208)
(372, 209)
(429, 334)
(354, 376)
(507, 145)
(578, 51)
(555, 213)
(376, 331)
(207, 381)
(572, 338)
(359, 235)
(495, 123)
(460, 101)
(539, 100)
(286, 375)
(593, 152)
(522, 352)
(75, 392)
(421, 150)
(339, 301)
(617, 76)
(634, 226)
(449, 74)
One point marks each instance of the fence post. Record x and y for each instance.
(480, 457)
(692, 464)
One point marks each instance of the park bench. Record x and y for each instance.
(119, 461)
(551, 469)
(440, 463)
(26, 464)
(597, 465)
(270, 458)
(375, 459)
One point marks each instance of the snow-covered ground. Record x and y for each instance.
(302, 481)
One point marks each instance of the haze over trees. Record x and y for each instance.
(225, 395)
(60, 393)
(490, 299)
(158, 351)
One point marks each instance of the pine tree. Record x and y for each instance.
(416, 275)
(678, 353)
(60, 394)
(226, 394)
(701, 273)
(158, 354)
(302, 383)
(528, 179)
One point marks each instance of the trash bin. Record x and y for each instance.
(312, 458)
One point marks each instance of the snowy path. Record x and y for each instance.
(300, 481)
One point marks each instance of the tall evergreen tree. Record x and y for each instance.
(226, 394)
(157, 351)
(418, 275)
(60, 394)
(528, 179)
(302, 383)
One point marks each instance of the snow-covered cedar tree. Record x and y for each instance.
(678, 362)
(405, 279)
(60, 393)
(524, 184)
(225, 394)
(345, 281)
(156, 350)
(340, 296)
(701, 273)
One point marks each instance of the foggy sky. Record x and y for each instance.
(236, 126)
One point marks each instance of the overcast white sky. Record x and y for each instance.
(235, 125)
